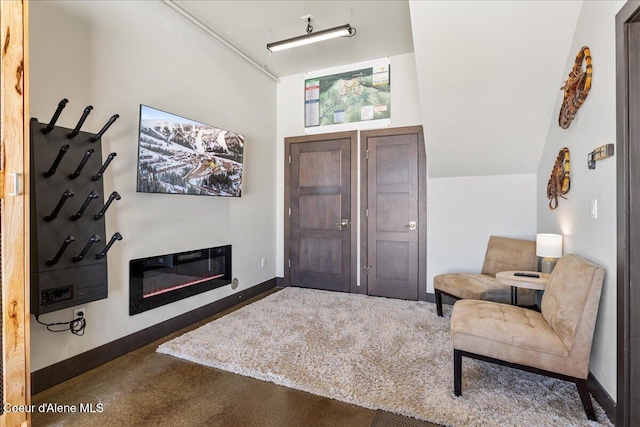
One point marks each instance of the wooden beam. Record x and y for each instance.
(15, 209)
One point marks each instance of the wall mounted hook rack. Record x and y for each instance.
(64, 281)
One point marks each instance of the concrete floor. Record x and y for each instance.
(144, 388)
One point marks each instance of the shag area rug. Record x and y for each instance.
(378, 353)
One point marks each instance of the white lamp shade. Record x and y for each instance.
(549, 245)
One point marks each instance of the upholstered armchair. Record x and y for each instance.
(555, 342)
(503, 254)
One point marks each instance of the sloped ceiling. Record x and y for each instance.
(488, 77)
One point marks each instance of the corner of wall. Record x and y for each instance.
(594, 125)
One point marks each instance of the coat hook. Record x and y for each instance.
(54, 119)
(76, 131)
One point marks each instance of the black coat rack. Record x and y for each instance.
(68, 264)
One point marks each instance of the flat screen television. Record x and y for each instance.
(181, 156)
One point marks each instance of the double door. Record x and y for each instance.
(321, 213)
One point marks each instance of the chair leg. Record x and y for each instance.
(438, 302)
(586, 399)
(457, 372)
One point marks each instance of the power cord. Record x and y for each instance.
(76, 326)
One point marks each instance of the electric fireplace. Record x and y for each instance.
(163, 279)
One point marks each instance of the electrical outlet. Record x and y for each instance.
(79, 312)
(263, 262)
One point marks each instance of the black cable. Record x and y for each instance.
(76, 326)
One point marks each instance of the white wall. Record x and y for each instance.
(115, 56)
(594, 125)
(461, 212)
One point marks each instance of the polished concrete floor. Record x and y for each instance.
(144, 388)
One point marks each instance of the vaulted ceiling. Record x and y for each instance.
(489, 72)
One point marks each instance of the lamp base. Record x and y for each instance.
(547, 265)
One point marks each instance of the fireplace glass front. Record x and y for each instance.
(163, 279)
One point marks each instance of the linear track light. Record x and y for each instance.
(345, 30)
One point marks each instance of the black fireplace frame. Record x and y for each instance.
(137, 267)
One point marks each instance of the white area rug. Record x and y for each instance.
(378, 353)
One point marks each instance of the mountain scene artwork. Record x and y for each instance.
(181, 156)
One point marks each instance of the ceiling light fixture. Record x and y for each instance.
(345, 30)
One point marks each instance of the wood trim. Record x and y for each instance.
(67, 369)
(364, 222)
(353, 136)
(286, 259)
(422, 215)
(355, 286)
(15, 209)
(422, 202)
(630, 12)
(26, 161)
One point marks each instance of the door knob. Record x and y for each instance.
(411, 226)
(343, 223)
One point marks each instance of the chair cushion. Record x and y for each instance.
(512, 334)
(506, 254)
(570, 301)
(480, 286)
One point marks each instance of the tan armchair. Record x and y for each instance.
(503, 254)
(555, 342)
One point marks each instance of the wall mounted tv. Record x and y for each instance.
(181, 156)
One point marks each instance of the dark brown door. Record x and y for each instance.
(321, 241)
(634, 293)
(628, 169)
(628, 212)
(393, 221)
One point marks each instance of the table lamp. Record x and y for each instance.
(549, 247)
